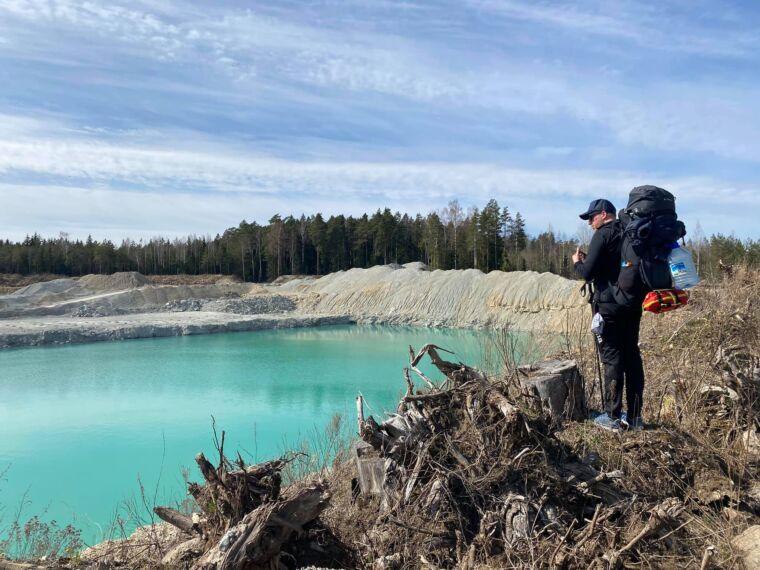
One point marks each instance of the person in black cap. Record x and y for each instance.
(616, 327)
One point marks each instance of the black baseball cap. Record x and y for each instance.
(596, 206)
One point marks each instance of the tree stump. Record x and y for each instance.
(558, 386)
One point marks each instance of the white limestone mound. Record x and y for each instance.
(410, 294)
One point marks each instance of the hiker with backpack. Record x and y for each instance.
(616, 326)
(634, 262)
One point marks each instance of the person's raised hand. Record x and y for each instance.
(579, 255)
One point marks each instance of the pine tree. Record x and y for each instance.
(505, 219)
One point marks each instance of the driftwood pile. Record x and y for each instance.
(464, 477)
(245, 521)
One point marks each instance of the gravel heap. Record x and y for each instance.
(115, 282)
(92, 310)
(255, 305)
(184, 305)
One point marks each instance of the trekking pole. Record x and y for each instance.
(588, 289)
(599, 369)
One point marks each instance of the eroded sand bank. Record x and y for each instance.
(127, 305)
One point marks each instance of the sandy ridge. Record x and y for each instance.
(96, 308)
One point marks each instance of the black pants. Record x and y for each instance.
(621, 357)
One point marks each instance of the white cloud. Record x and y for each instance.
(555, 200)
(651, 26)
(155, 160)
(224, 170)
(111, 21)
(236, 41)
(696, 117)
(565, 15)
(204, 192)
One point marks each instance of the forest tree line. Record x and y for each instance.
(451, 238)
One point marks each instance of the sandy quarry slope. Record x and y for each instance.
(84, 309)
(410, 294)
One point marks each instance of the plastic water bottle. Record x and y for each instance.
(682, 268)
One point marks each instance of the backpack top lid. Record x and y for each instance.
(645, 200)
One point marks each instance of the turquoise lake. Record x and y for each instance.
(80, 424)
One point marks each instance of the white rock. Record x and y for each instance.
(748, 544)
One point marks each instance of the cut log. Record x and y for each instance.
(207, 470)
(510, 412)
(182, 522)
(558, 386)
(261, 469)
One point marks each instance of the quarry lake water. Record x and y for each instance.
(80, 424)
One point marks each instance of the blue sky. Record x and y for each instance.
(167, 118)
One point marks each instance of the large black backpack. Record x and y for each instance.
(650, 226)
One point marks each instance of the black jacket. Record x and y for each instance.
(602, 263)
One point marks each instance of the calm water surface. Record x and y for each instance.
(79, 424)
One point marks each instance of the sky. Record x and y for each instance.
(138, 119)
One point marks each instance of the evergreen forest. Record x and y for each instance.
(487, 239)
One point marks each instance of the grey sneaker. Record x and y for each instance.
(635, 424)
(607, 422)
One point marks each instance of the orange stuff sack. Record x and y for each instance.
(664, 300)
